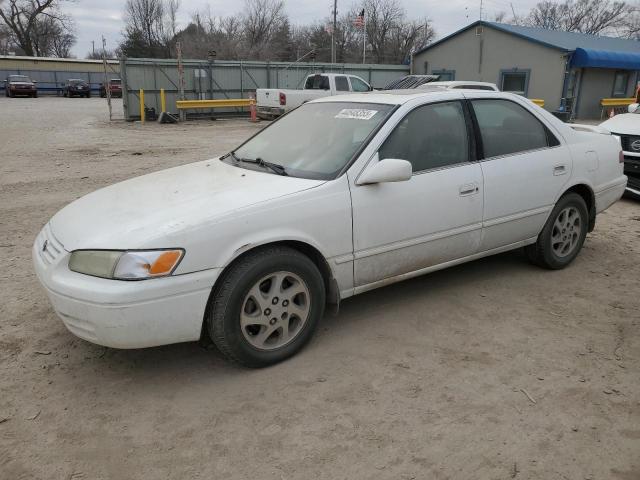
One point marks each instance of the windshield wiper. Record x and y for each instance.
(274, 167)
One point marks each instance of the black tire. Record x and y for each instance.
(65, 94)
(228, 297)
(542, 252)
(35, 95)
(88, 95)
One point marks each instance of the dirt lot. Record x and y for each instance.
(491, 370)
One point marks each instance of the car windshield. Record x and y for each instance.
(19, 78)
(76, 82)
(315, 140)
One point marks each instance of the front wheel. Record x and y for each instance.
(563, 235)
(266, 307)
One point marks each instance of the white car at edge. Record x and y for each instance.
(626, 126)
(342, 195)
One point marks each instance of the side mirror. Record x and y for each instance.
(387, 170)
(634, 108)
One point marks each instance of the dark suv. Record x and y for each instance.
(77, 87)
(16, 85)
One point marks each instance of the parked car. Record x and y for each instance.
(461, 84)
(20, 85)
(343, 195)
(626, 126)
(115, 88)
(273, 102)
(410, 81)
(77, 87)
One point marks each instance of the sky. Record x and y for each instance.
(95, 18)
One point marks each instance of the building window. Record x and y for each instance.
(444, 75)
(515, 81)
(620, 83)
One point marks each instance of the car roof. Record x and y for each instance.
(399, 97)
(391, 97)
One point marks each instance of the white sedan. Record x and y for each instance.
(343, 195)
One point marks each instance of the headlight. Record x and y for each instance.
(125, 265)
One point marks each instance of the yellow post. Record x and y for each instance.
(142, 105)
(163, 101)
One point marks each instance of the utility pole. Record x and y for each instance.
(515, 19)
(333, 31)
(106, 78)
(93, 48)
(364, 38)
(480, 10)
(180, 79)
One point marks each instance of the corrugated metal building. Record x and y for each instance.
(52, 73)
(566, 69)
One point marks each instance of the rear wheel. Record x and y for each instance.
(563, 235)
(35, 95)
(266, 307)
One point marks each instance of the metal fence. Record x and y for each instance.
(228, 79)
(52, 81)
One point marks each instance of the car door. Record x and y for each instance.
(434, 217)
(524, 167)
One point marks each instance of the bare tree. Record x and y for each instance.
(37, 27)
(97, 55)
(150, 26)
(585, 16)
(261, 19)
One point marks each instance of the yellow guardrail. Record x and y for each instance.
(617, 102)
(225, 102)
(538, 101)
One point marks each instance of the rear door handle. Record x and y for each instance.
(468, 189)
(559, 170)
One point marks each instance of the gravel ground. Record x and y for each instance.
(490, 370)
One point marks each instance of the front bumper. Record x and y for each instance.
(632, 171)
(122, 314)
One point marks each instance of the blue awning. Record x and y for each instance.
(586, 57)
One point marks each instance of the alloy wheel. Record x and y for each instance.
(275, 310)
(565, 234)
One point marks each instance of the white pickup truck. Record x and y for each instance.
(273, 102)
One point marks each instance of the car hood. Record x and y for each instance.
(160, 209)
(22, 84)
(626, 123)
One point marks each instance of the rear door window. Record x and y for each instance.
(508, 128)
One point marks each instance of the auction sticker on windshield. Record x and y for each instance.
(357, 113)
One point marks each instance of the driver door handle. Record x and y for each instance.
(468, 189)
(559, 170)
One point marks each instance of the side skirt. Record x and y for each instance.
(434, 268)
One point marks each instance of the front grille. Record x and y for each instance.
(630, 143)
(53, 246)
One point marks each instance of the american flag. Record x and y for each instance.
(359, 20)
